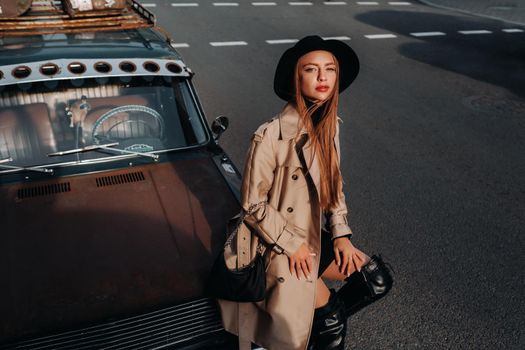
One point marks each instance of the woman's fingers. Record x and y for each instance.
(338, 260)
(359, 254)
(301, 264)
(357, 262)
(292, 266)
(297, 268)
(345, 267)
(304, 269)
(360, 260)
(309, 266)
(337, 257)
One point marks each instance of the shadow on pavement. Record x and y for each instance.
(497, 58)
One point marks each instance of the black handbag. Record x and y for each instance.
(246, 284)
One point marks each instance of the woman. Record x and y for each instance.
(292, 177)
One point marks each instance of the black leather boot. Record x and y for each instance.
(329, 326)
(363, 288)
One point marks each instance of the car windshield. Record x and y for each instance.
(141, 114)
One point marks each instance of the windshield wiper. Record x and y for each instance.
(82, 149)
(149, 155)
(107, 146)
(20, 168)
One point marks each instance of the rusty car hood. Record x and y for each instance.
(84, 248)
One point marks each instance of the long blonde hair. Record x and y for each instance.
(322, 138)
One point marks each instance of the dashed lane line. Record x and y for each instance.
(179, 45)
(380, 36)
(228, 43)
(149, 5)
(291, 3)
(399, 3)
(292, 41)
(184, 4)
(418, 34)
(470, 32)
(225, 4)
(281, 41)
(342, 38)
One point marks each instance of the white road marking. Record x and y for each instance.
(335, 3)
(367, 3)
(380, 36)
(264, 3)
(427, 34)
(513, 30)
(281, 41)
(468, 32)
(300, 3)
(177, 45)
(149, 5)
(184, 4)
(399, 3)
(225, 4)
(342, 38)
(228, 43)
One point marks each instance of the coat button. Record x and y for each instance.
(280, 279)
(295, 177)
(290, 209)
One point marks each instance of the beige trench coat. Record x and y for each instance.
(275, 174)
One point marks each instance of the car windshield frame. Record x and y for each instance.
(174, 97)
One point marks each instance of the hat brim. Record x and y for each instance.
(283, 82)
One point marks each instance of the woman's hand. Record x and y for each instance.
(301, 262)
(348, 257)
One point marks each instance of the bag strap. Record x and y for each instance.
(244, 344)
(250, 211)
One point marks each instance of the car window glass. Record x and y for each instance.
(142, 114)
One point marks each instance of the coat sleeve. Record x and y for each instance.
(338, 213)
(258, 179)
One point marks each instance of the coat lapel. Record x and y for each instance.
(302, 151)
(310, 175)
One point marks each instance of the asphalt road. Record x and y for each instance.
(433, 145)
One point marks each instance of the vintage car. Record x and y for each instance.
(114, 193)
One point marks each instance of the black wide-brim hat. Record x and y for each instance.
(283, 82)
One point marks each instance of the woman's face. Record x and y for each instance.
(317, 75)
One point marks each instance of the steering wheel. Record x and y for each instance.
(95, 133)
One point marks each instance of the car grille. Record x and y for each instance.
(164, 328)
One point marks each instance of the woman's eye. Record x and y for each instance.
(332, 69)
(309, 69)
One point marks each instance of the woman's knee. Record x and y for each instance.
(332, 271)
(322, 293)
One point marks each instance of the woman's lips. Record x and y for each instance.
(322, 88)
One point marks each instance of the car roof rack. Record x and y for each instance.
(49, 17)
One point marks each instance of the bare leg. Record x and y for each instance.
(322, 294)
(332, 272)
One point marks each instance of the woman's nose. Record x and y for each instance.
(321, 76)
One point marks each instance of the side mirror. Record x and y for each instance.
(219, 125)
